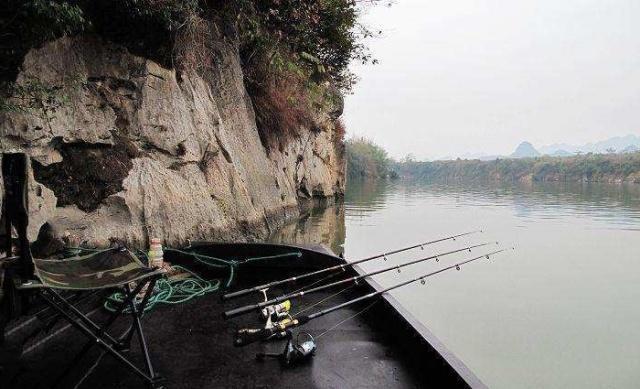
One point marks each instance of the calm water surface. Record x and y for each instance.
(561, 311)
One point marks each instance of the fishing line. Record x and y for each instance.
(348, 318)
(323, 300)
(321, 280)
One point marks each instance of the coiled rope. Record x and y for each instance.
(167, 291)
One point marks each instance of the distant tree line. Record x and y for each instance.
(587, 167)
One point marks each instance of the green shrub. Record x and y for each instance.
(29, 23)
(366, 159)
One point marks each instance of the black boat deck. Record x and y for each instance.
(191, 346)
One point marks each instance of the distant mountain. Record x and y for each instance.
(617, 143)
(525, 150)
(561, 153)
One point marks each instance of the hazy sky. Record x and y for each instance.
(465, 76)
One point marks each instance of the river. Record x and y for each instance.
(560, 311)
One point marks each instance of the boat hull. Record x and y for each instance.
(191, 344)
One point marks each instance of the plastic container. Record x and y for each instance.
(155, 254)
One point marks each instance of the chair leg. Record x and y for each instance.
(137, 313)
(99, 341)
(99, 331)
(48, 318)
(98, 335)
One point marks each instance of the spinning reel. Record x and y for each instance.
(294, 352)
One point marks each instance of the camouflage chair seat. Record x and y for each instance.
(111, 268)
(115, 268)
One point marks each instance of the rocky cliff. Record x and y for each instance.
(125, 148)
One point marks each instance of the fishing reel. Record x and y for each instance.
(276, 315)
(276, 312)
(294, 353)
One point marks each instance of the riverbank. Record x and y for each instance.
(607, 168)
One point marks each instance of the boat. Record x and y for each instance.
(192, 344)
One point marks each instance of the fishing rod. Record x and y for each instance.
(248, 308)
(246, 336)
(314, 273)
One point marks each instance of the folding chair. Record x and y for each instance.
(115, 268)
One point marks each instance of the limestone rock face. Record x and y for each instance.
(124, 148)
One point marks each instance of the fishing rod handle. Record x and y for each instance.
(240, 311)
(239, 293)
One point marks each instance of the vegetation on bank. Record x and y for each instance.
(587, 167)
(294, 54)
(365, 159)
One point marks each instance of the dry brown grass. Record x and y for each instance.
(283, 107)
(191, 49)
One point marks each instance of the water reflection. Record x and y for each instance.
(322, 225)
(561, 311)
(617, 204)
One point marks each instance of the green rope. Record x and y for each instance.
(179, 291)
(211, 262)
(230, 263)
(292, 254)
(169, 292)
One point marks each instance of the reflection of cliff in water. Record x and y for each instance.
(322, 225)
(372, 193)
